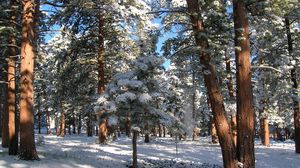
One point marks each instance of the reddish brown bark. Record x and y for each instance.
(265, 133)
(213, 89)
(62, 124)
(214, 138)
(234, 128)
(101, 77)
(244, 95)
(27, 143)
(11, 90)
(295, 86)
(103, 131)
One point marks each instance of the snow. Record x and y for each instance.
(83, 152)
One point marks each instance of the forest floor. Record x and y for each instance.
(82, 152)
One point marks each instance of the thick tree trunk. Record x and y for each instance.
(212, 85)
(27, 143)
(101, 77)
(295, 86)
(11, 91)
(244, 95)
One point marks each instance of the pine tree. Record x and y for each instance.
(27, 143)
(245, 107)
(210, 78)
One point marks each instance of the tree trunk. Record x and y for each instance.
(231, 97)
(103, 131)
(88, 127)
(245, 108)
(97, 131)
(11, 91)
(214, 138)
(4, 128)
(264, 126)
(69, 128)
(62, 124)
(265, 134)
(212, 85)
(57, 127)
(27, 143)
(234, 128)
(159, 130)
(74, 123)
(101, 76)
(127, 127)
(295, 86)
(134, 149)
(79, 125)
(39, 121)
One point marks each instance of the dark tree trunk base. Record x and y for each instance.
(28, 155)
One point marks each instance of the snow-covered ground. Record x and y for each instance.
(83, 152)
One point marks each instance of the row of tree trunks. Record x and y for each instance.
(245, 107)
(295, 86)
(213, 89)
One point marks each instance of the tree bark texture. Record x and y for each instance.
(27, 143)
(265, 133)
(11, 89)
(295, 86)
(62, 124)
(234, 128)
(134, 149)
(244, 95)
(212, 85)
(214, 138)
(4, 112)
(101, 77)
